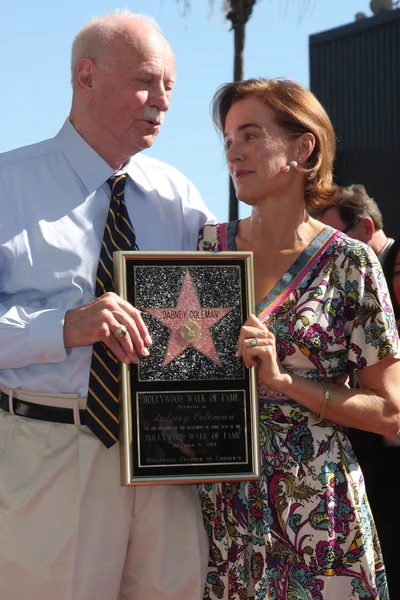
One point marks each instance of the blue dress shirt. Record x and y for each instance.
(53, 207)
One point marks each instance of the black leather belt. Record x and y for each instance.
(39, 411)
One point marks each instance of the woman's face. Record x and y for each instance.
(396, 279)
(256, 149)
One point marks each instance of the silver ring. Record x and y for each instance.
(120, 332)
(254, 341)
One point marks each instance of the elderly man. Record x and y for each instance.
(68, 530)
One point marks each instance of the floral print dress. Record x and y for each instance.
(305, 530)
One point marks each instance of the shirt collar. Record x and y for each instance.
(146, 173)
(134, 170)
(91, 169)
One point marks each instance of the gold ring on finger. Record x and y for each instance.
(120, 332)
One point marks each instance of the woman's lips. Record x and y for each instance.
(242, 173)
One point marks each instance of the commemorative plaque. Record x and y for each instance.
(189, 410)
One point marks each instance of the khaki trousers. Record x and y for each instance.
(69, 531)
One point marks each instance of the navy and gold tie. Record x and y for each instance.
(102, 412)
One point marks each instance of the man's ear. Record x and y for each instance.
(84, 77)
(368, 228)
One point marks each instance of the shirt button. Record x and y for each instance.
(46, 356)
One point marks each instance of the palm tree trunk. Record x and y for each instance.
(233, 202)
(239, 39)
(239, 33)
(238, 12)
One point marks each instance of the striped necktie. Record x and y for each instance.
(102, 411)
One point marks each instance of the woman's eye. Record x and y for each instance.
(228, 145)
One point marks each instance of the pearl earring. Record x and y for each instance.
(286, 168)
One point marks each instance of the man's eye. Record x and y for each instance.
(249, 136)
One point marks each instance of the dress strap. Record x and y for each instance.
(210, 238)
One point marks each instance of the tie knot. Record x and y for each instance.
(117, 184)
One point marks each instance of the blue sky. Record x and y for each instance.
(35, 90)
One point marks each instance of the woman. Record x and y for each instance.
(305, 530)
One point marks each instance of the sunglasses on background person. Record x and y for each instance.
(350, 226)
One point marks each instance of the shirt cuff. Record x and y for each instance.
(46, 332)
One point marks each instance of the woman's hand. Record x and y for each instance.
(257, 348)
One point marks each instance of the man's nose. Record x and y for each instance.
(161, 99)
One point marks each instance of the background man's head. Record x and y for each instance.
(123, 71)
(357, 215)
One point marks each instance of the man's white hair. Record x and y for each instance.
(93, 39)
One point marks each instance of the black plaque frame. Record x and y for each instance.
(195, 418)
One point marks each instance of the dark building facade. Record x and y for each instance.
(355, 73)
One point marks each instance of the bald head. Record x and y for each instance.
(100, 37)
(123, 72)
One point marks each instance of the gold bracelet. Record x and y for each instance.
(327, 397)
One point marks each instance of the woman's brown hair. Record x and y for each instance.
(297, 111)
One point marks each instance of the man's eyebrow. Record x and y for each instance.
(245, 126)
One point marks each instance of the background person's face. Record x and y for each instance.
(332, 218)
(356, 230)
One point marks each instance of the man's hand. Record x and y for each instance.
(97, 322)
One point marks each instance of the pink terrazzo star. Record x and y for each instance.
(188, 309)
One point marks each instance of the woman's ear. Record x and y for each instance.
(306, 145)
